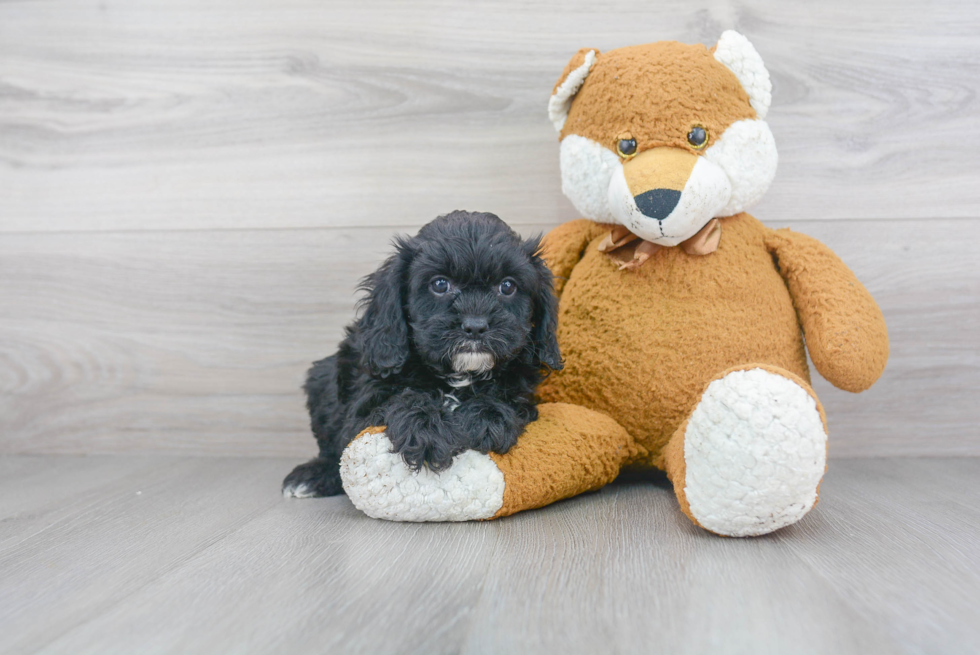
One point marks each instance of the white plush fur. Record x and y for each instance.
(755, 451)
(561, 100)
(379, 484)
(707, 191)
(586, 171)
(740, 57)
(746, 152)
(731, 176)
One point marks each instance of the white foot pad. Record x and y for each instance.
(755, 450)
(381, 485)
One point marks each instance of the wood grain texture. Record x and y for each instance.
(874, 568)
(191, 190)
(89, 549)
(209, 558)
(40, 491)
(262, 114)
(197, 341)
(625, 571)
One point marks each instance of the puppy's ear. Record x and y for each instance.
(382, 330)
(544, 335)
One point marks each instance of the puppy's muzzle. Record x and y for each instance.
(475, 326)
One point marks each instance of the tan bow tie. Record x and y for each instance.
(704, 242)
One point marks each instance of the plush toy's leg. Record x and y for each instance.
(567, 451)
(750, 457)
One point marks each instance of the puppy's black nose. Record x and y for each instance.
(475, 326)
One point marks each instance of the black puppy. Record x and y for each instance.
(457, 327)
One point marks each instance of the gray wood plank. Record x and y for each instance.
(159, 340)
(624, 571)
(886, 563)
(898, 539)
(308, 577)
(38, 491)
(198, 341)
(94, 554)
(311, 114)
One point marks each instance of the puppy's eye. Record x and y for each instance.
(626, 147)
(508, 287)
(439, 286)
(697, 137)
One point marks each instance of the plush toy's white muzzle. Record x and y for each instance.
(727, 178)
(668, 216)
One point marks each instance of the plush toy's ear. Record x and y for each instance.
(382, 330)
(568, 85)
(737, 54)
(543, 348)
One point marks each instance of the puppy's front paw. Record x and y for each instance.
(417, 429)
(315, 479)
(488, 425)
(383, 486)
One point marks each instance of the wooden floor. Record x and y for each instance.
(133, 554)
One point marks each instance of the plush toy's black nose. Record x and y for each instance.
(657, 203)
(475, 326)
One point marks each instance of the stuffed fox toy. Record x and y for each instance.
(681, 319)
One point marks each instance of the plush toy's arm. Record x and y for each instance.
(843, 326)
(564, 245)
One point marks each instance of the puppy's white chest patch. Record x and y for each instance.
(459, 381)
(450, 402)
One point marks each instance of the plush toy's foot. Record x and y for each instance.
(567, 451)
(381, 485)
(750, 458)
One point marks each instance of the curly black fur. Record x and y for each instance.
(396, 365)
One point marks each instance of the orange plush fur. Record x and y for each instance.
(618, 100)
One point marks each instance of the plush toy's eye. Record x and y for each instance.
(697, 137)
(626, 147)
(439, 285)
(508, 287)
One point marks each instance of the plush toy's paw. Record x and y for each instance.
(381, 485)
(315, 479)
(755, 451)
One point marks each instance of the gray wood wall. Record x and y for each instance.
(190, 190)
